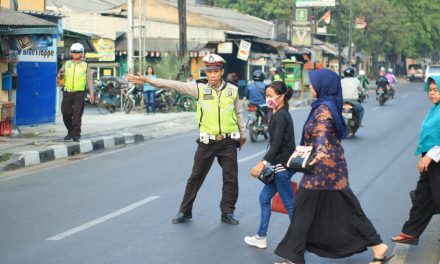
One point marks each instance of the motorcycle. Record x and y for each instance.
(257, 122)
(164, 101)
(392, 90)
(350, 115)
(108, 93)
(381, 95)
(133, 98)
(362, 96)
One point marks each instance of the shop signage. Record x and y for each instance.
(315, 3)
(36, 48)
(301, 34)
(225, 48)
(244, 50)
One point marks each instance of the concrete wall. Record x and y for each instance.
(32, 5)
(108, 26)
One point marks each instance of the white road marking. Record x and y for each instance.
(103, 219)
(251, 156)
(375, 108)
(400, 251)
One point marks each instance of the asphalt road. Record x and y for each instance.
(117, 206)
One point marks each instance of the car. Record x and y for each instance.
(415, 72)
(432, 70)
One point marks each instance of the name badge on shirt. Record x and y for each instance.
(207, 91)
(208, 97)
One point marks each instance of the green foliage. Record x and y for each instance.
(171, 67)
(268, 10)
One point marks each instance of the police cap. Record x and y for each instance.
(213, 62)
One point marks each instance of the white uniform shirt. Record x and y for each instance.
(350, 88)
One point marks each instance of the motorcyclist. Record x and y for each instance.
(364, 80)
(351, 87)
(391, 78)
(382, 81)
(256, 91)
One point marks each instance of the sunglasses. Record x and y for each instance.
(76, 52)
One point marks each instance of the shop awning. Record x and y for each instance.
(13, 19)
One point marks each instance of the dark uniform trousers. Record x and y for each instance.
(426, 201)
(72, 108)
(226, 153)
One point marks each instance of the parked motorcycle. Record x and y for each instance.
(164, 101)
(351, 118)
(133, 98)
(257, 122)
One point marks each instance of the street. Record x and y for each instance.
(117, 206)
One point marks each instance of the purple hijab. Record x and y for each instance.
(327, 85)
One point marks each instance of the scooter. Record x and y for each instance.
(392, 90)
(257, 122)
(350, 115)
(381, 95)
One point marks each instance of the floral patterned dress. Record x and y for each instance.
(331, 171)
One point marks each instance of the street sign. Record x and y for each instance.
(302, 3)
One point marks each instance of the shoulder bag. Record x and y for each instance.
(300, 160)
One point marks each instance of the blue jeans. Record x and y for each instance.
(150, 100)
(283, 185)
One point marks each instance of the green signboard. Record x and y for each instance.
(302, 3)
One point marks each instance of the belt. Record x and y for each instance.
(219, 137)
(68, 91)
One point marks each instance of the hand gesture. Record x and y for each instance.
(136, 79)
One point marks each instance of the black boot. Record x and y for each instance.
(181, 218)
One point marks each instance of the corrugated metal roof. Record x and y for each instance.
(241, 22)
(85, 5)
(18, 19)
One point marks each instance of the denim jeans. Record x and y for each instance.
(283, 185)
(150, 100)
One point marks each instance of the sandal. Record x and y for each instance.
(383, 260)
(406, 239)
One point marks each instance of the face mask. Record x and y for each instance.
(272, 103)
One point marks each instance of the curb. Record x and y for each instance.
(54, 152)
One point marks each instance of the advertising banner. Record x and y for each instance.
(244, 50)
(301, 34)
(36, 48)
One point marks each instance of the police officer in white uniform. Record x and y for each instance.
(222, 131)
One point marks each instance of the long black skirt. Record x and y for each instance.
(330, 224)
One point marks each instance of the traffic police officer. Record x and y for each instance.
(74, 76)
(222, 130)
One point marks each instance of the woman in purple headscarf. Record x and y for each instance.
(328, 219)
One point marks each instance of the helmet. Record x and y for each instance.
(349, 72)
(258, 76)
(382, 69)
(77, 47)
(361, 72)
(273, 69)
(390, 70)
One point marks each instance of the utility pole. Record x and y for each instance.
(130, 37)
(182, 28)
(338, 8)
(350, 33)
(141, 34)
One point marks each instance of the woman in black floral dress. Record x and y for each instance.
(328, 219)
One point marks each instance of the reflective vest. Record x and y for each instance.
(216, 111)
(75, 76)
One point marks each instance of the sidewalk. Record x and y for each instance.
(42, 143)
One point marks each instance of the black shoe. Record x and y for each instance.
(229, 219)
(76, 139)
(181, 218)
(68, 137)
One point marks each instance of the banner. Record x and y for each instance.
(36, 48)
(244, 50)
(105, 50)
(301, 3)
(225, 47)
(301, 34)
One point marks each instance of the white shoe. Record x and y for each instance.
(256, 241)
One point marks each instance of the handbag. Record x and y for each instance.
(277, 203)
(300, 160)
(267, 175)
